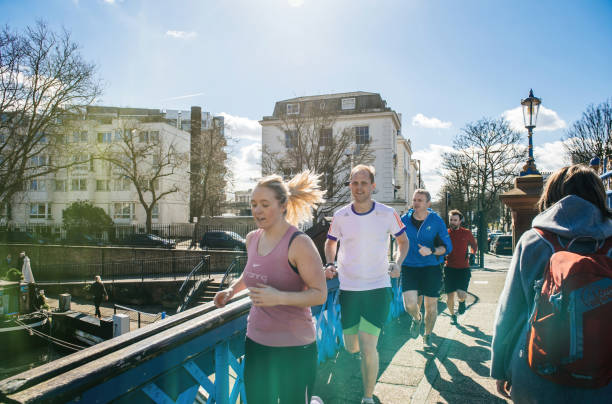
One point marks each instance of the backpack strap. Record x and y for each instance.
(551, 238)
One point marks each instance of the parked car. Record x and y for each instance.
(225, 240)
(148, 240)
(83, 239)
(491, 238)
(22, 237)
(502, 245)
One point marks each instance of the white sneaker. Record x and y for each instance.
(316, 400)
(367, 401)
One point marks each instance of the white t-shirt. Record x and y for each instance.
(363, 262)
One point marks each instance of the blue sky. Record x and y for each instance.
(440, 64)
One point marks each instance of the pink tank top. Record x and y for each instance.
(277, 325)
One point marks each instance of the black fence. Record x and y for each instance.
(161, 235)
(138, 269)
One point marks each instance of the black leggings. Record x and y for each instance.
(279, 374)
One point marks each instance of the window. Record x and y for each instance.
(79, 137)
(41, 137)
(362, 135)
(148, 136)
(291, 139)
(37, 185)
(118, 135)
(38, 161)
(123, 210)
(102, 185)
(122, 184)
(40, 211)
(2, 138)
(325, 137)
(79, 184)
(105, 137)
(60, 186)
(155, 212)
(82, 159)
(348, 103)
(293, 109)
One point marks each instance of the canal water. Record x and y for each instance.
(16, 361)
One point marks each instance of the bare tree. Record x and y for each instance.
(43, 80)
(591, 135)
(214, 173)
(148, 159)
(485, 162)
(315, 141)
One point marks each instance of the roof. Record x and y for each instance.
(328, 96)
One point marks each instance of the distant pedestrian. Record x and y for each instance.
(595, 164)
(26, 269)
(457, 269)
(421, 270)
(363, 229)
(8, 263)
(573, 210)
(99, 293)
(284, 276)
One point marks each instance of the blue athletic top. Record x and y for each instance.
(432, 225)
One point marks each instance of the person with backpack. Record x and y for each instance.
(550, 342)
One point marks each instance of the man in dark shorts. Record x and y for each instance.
(421, 270)
(457, 270)
(363, 229)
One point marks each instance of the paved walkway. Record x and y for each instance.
(455, 371)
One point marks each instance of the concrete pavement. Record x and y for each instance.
(455, 371)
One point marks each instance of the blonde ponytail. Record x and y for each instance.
(302, 193)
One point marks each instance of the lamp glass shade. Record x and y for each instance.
(531, 108)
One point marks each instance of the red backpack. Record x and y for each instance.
(570, 334)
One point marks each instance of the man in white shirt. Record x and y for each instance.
(363, 229)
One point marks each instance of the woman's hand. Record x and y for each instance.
(264, 295)
(222, 297)
(503, 387)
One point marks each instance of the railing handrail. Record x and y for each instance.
(72, 361)
(230, 270)
(103, 368)
(194, 271)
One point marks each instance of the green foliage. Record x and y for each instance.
(82, 216)
(11, 275)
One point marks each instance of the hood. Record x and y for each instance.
(411, 211)
(574, 217)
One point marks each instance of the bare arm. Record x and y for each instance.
(303, 254)
(330, 249)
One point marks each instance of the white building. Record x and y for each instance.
(407, 172)
(97, 181)
(372, 122)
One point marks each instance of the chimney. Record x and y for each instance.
(195, 196)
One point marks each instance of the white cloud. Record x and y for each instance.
(246, 166)
(242, 128)
(548, 120)
(181, 34)
(180, 97)
(430, 123)
(431, 165)
(295, 3)
(550, 156)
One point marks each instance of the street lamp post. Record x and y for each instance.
(531, 107)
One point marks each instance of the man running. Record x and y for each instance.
(457, 270)
(421, 270)
(363, 229)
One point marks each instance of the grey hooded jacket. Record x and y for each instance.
(569, 218)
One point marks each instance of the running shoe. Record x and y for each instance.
(367, 400)
(461, 308)
(427, 344)
(415, 328)
(454, 319)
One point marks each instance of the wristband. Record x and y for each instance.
(433, 251)
(330, 263)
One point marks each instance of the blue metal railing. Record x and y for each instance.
(193, 282)
(170, 361)
(606, 177)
